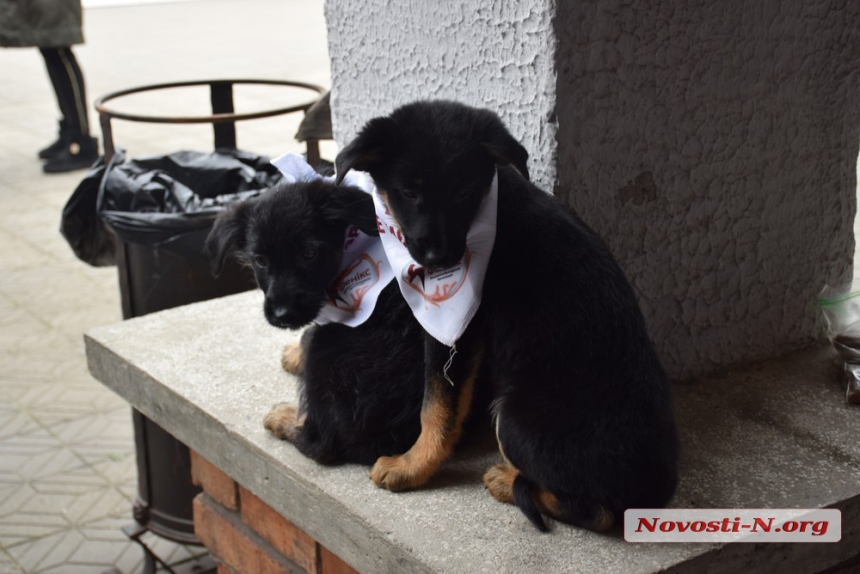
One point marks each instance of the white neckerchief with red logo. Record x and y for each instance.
(364, 271)
(444, 300)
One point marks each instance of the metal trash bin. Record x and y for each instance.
(160, 225)
(156, 214)
(160, 210)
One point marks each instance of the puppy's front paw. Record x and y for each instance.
(397, 473)
(283, 421)
(499, 480)
(292, 359)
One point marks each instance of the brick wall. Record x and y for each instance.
(246, 536)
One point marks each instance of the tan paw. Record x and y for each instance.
(398, 473)
(283, 421)
(499, 480)
(292, 359)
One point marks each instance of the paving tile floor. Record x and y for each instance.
(67, 465)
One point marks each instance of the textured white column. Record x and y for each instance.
(497, 55)
(712, 144)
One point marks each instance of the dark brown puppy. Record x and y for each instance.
(360, 388)
(582, 406)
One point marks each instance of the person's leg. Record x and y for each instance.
(75, 149)
(53, 65)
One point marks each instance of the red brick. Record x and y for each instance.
(234, 544)
(282, 534)
(214, 481)
(331, 564)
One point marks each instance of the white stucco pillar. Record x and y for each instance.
(498, 55)
(712, 144)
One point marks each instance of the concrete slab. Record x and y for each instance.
(774, 435)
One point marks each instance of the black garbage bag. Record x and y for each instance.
(81, 225)
(151, 200)
(154, 200)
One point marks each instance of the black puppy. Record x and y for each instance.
(360, 389)
(582, 407)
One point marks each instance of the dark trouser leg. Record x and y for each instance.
(75, 149)
(68, 82)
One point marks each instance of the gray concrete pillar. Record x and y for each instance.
(712, 144)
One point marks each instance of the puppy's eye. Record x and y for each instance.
(408, 194)
(464, 194)
(309, 253)
(260, 261)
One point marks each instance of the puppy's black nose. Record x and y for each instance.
(437, 260)
(280, 313)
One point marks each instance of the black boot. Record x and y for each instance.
(58, 145)
(75, 155)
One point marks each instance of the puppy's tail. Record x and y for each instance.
(592, 516)
(522, 491)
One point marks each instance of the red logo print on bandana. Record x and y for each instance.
(440, 285)
(353, 283)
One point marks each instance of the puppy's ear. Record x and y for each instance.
(368, 148)
(351, 206)
(228, 233)
(502, 146)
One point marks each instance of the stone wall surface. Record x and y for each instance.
(714, 144)
(497, 55)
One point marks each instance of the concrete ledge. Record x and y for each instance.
(775, 435)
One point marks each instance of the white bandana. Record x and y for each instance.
(364, 271)
(443, 301)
